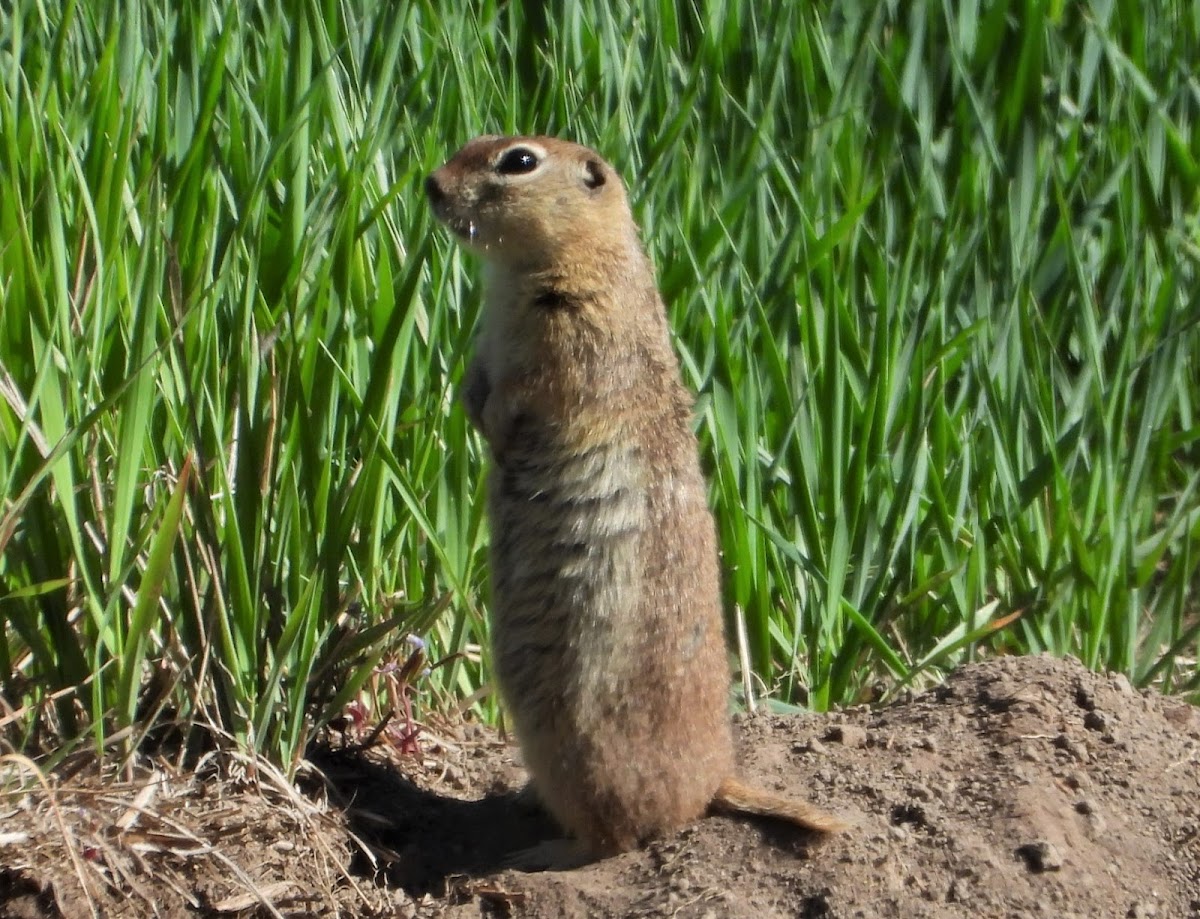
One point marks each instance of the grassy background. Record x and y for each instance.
(933, 270)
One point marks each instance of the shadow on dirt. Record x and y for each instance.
(424, 839)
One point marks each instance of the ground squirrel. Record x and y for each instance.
(606, 619)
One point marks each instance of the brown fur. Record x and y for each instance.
(607, 632)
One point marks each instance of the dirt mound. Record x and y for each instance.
(1022, 786)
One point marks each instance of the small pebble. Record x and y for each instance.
(848, 735)
(1084, 699)
(1074, 750)
(1077, 781)
(958, 892)
(1096, 823)
(1095, 721)
(1040, 856)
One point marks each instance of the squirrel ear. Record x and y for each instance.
(593, 173)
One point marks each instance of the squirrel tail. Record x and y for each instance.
(736, 797)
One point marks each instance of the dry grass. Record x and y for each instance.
(98, 843)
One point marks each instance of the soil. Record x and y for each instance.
(1020, 787)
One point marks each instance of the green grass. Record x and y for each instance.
(932, 270)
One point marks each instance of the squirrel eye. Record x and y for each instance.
(517, 161)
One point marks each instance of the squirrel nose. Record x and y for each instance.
(434, 191)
